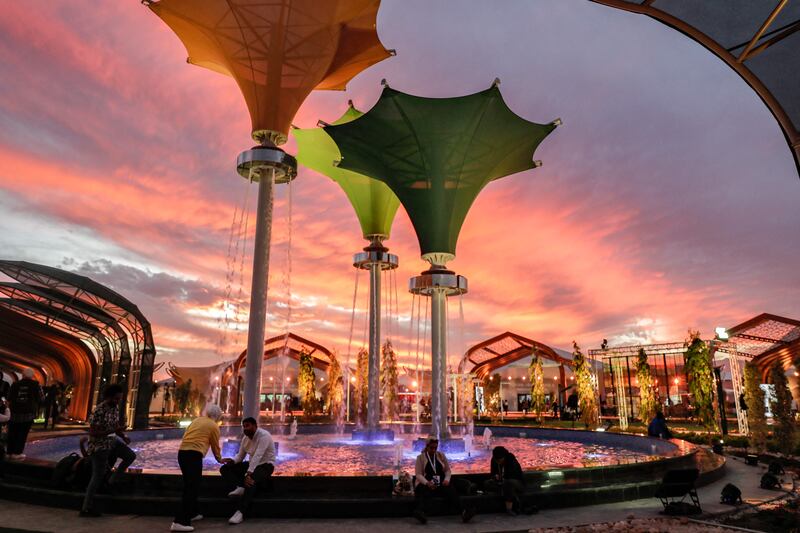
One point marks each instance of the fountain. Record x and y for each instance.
(375, 206)
(277, 54)
(436, 159)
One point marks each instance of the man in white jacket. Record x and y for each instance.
(248, 476)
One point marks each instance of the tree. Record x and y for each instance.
(491, 395)
(466, 399)
(756, 410)
(183, 393)
(335, 389)
(306, 383)
(584, 384)
(389, 386)
(648, 403)
(783, 427)
(536, 375)
(362, 386)
(700, 373)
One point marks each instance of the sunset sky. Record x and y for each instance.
(668, 200)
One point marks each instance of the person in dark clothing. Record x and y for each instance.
(432, 479)
(25, 397)
(506, 477)
(5, 416)
(658, 427)
(4, 387)
(51, 397)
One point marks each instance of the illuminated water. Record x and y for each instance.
(338, 455)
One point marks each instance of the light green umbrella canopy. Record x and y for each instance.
(375, 204)
(436, 154)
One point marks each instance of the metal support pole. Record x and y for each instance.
(373, 376)
(258, 298)
(438, 363)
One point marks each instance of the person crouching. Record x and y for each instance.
(249, 476)
(202, 434)
(433, 479)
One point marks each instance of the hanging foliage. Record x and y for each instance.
(389, 387)
(756, 410)
(648, 402)
(491, 395)
(466, 399)
(783, 427)
(584, 384)
(362, 385)
(306, 383)
(700, 373)
(536, 375)
(335, 400)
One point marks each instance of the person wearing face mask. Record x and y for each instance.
(249, 476)
(433, 479)
(106, 438)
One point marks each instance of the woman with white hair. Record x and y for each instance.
(24, 399)
(202, 434)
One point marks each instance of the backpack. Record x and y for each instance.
(63, 473)
(776, 469)
(731, 495)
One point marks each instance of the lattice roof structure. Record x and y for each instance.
(759, 40)
(664, 348)
(290, 345)
(767, 339)
(504, 349)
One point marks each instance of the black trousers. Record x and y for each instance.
(18, 436)
(423, 495)
(511, 489)
(191, 463)
(233, 474)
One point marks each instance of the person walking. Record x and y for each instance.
(5, 416)
(202, 434)
(25, 396)
(433, 479)
(506, 477)
(51, 404)
(106, 438)
(249, 476)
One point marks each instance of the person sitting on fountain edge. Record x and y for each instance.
(506, 478)
(433, 479)
(248, 476)
(658, 427)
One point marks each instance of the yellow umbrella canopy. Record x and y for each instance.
(277, 51)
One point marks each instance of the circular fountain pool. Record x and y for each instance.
(338, 455)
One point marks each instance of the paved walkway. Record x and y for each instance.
(41, 519)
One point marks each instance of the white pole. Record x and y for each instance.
(258, 298)
(373, 376)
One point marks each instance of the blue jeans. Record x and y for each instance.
(100, 466)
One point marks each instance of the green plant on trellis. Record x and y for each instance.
(536, 375)
(584, 384)
(362, 386)
(700, 373)
(784, 426)
(491, 395)
(756, 410)
(335, 400)
(389, 386)
(648, 403)
(306, 383)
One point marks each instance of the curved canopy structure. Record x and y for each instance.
(278, 51)
(100, 317)
(53, 355)
(437, 154)
(374, 203)
(759, 40)
(291, 347)
(767, 340)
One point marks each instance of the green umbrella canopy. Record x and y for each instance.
(375, 204)
(436, 154)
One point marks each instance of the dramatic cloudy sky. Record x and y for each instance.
(668, 199)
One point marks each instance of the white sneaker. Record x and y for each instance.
(236, 518)
(197, 518)
(236, 493)
(180, 527)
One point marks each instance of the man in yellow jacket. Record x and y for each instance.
(202, 434)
